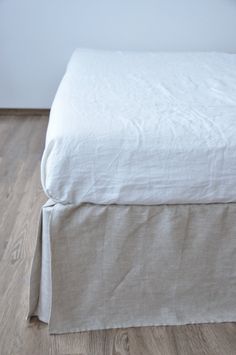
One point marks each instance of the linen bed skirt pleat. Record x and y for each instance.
(100, 267)
(40, 280)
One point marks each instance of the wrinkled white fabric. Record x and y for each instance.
(143, 128)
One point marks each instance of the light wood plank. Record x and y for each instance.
(152, 340)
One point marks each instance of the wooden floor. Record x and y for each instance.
(21, 196)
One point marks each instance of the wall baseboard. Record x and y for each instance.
(23, 112)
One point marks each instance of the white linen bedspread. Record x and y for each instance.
(143, 128)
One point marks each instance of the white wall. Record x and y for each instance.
(37, 37)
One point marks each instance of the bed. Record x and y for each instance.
(139, 168)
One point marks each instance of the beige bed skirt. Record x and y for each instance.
(99, 267)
